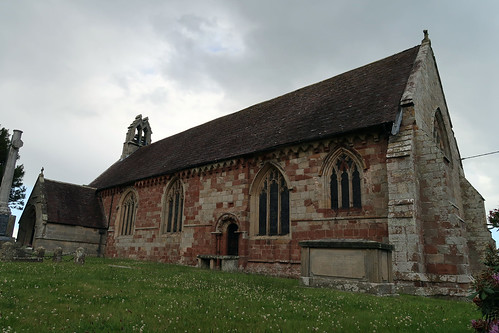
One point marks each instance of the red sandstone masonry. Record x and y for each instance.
(210, 195)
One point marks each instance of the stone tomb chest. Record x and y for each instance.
(351, 265)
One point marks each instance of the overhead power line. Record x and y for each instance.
(480, 155)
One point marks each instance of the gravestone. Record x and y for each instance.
(80, 256)
(4, 222)
(8, 251)
(40, 252)
(57, 255)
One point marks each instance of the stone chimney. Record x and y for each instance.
(138, 135)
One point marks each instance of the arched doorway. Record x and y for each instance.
(232, 240)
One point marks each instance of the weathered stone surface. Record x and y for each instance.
(53, 217)
(40, 252)
(57, 257)
(340, 263)
(380, 289)
(6, 183)
(8, 251)
(79, 256)
(352, 265)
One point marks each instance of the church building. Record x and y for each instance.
(366, 155)
(63, 215)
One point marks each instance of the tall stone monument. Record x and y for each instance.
(6, 219)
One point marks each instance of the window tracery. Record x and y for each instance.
(345, 183)
(173, 208)
(128, 212)
(273, 205)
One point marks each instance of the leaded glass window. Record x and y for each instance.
(273, 205)
(173, 208)
(345, 183)
(128, 211)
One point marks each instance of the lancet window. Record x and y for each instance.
(173, 208)
(440, 135)
(128, 212)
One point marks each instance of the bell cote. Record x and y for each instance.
(138, 135)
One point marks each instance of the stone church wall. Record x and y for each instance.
(215, 192)
(478, 237)
(70, 238)
(433, 248)
(440, 170)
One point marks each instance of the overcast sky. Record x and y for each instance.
(74, 74)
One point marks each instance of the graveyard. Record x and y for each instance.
(139, 296)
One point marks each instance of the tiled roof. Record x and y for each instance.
(361, 98)
(73, 205)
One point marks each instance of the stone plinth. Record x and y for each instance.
(352, 265)
(6, 226)
(4, 223)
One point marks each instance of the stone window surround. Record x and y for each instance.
(175, 184)
(327, 170)
(440, 135)
(122, 210)
(254, 200)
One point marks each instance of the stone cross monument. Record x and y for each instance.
(6, 219)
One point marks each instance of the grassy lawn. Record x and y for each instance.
(153, 297)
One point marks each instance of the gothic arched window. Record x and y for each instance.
(273, 204)
(128, 212)
(440, 135)
(173, 208)
(345, 183)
